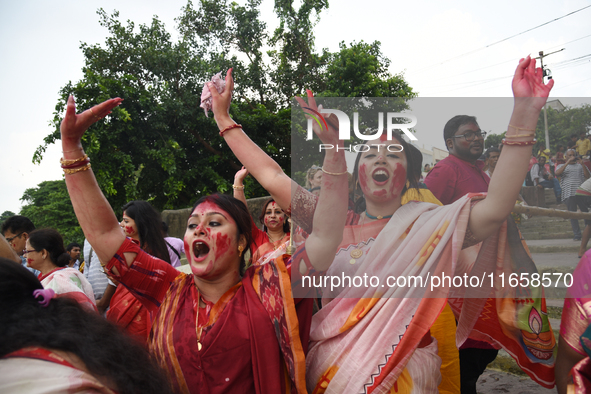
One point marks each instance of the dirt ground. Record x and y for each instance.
(496, 382)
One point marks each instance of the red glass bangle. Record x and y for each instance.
(77, 164)
(233, 126)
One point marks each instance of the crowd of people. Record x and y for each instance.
(241, 321)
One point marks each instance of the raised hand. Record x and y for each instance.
(240, 175)
(221, 101)
(528, 81)
(330, 136)
(74, 125)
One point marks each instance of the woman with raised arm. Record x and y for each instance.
(379, 338)
(212, 330)
(274, 238)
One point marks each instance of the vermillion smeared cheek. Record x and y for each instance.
(222, 244)
(128, 230)
(188, 249)
(363, 177)
(281, 219)
(267, 220)
(399, 180)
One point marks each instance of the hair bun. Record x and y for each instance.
(63, 259)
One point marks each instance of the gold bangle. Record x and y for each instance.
(74, 150)
(238, 187)
(65, 162)
(520, 135)
(521, 128)
(334, 173)
(70, 171)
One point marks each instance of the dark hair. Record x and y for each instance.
(570, 145)
(410, 169)
(16, 224)
(414, 154)
(574, 136)
(72, 245)
(50, 240)
(454, 124)
(238, 211)
(491, 150)
(559, 146)
(64, 325)
(262, 216)
(164, 228)
(149, 228)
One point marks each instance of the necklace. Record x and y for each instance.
(379, 217)
(356, 252)
(273, 241)
(198, 329)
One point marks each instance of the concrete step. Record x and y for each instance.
(556, 245)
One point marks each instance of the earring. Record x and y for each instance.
(240, 249)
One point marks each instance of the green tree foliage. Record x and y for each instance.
(494, 140)
(562, 124)
(159, 145)
(5, 215)
(48, 205)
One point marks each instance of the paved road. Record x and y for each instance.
(495, 382)
(543, 260)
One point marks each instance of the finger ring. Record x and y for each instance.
(92, 112)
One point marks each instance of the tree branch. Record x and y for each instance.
(216, 152)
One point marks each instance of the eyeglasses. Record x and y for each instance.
(25, 251)
(471, 135)
(13, 238)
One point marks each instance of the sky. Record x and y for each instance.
(444, 49)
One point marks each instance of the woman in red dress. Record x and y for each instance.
(220, 329)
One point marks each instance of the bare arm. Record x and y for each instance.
(330, 214)
(239, 185)
(265, 170)
(530, 97)
(7, 252)
(95, 215)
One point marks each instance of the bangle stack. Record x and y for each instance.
(238, 187)
(75, 165)
(509, 140)
(232, 126)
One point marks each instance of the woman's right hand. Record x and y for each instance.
(240, 175)
(330, 136)
(74, 125)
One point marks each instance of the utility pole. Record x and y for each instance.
(547, 73)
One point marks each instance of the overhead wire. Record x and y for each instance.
(504, 39)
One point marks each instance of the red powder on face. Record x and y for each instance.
(384, 137)
(281, 219)
(210, 206)
(129, 230)
(399, 180)
(222, 244)
(380, 193)
(363, 177)
(188, 249)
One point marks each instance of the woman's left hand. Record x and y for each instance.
(528, 81)
(74, 125)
